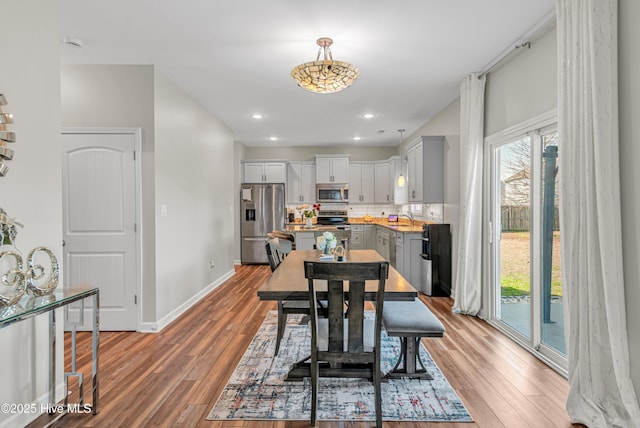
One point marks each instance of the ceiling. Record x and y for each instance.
(235, 56)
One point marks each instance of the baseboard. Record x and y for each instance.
(25, 413)
(237, 262)
(151, 327)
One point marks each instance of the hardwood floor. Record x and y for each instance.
(173, 378)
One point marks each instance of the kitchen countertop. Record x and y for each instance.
(300, 227)
(401, 226)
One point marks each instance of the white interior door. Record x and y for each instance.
(99, 203)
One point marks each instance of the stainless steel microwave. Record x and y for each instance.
(332, 193)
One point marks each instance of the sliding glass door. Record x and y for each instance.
(525, 269)
(513, 254)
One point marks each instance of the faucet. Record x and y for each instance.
(409, 216)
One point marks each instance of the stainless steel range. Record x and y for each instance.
(336, 221)
(333, 217)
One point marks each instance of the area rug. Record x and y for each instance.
(257, 389)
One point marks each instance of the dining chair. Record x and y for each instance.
(285, 307)
(347, 346)
(286, 240)
(274, 255)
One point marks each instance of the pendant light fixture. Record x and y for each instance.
(325, 76)
(401, 180)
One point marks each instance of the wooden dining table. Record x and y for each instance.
(288, 282)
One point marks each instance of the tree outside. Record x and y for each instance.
(515, 198)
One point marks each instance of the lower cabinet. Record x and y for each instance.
(408, 250)
(357, 237)
(363, 237)
(369, 237)
(382, 244)
(305, 241)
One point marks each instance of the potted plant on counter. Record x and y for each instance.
(308, 213)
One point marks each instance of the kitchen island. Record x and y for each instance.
(305, 237)
(400, 243)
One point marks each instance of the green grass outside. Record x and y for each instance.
(518, 285)
(515, 266)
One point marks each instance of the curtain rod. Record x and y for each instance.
(524, 41)
(504, 55)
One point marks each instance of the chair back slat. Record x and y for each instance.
(335, 314)
(356, 316)
(339, 276)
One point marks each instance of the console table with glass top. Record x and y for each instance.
(29, 307)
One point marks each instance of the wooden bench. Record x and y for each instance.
(410, 321)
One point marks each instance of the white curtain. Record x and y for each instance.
(601, 392)
(467, 294)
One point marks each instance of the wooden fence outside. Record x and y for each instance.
(516, 218)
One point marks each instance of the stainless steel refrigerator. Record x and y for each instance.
(262, 209)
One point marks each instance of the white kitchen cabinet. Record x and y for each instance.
(357, 237)
(293, 190)
(383, 184)
(414, 172)
(361, 182)
(305, 241)
(408, 250)
(412, 263)
(332, 169)
(400, 253)
(264, 172)
(425, 162)
(301, 182)
(382, 243)
(369, 236)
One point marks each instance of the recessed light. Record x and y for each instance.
(257, 116)
(368, 115)
(273, 138)
(356, 138)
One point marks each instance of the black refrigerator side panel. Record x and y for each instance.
(440, 243)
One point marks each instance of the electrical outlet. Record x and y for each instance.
(212, 264)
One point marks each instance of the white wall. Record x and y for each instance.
(194, 167)
(239, 150)
(120, 96)
(629, 103)
(524, 87)
(30, 80)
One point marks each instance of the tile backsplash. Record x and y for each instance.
(377, 210)
(424, 212)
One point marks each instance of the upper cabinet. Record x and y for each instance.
(384, 188)
(301, 182)
(264, 172)
(387, 189)
(330, 169)
(425, 175)
(361, 182)
(414, 172)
